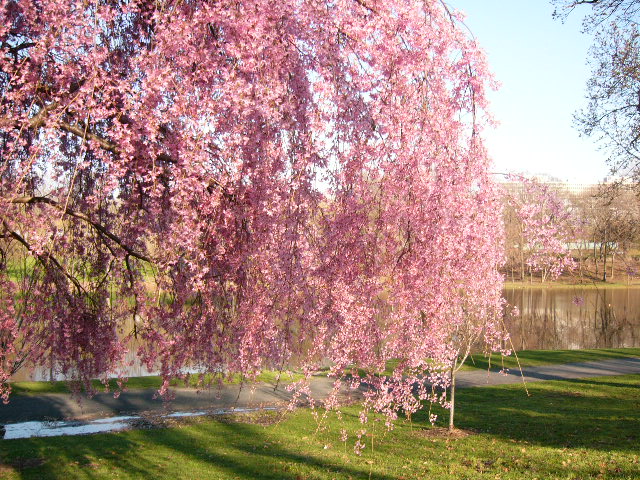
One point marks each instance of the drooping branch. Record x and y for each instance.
(40, 119)
(363, 4)
(82, 216)
(45, 259)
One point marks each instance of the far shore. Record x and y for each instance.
(571, 283)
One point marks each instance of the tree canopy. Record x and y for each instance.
(228, 186)
(612, 115)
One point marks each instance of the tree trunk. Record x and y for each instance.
(522, 274)
(613, 259)
(452, 400)
(604, 262)
(580, 262)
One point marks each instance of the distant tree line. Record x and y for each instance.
(593, 234)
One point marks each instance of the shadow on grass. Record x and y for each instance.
(601, 414)
(215, 449)
(596, 416)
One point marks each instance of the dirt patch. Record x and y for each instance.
(150, 420)
(574, 394)
(443, 433)
(263, 418)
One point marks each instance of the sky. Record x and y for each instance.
(541, 64)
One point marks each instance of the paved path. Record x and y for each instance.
(62, 406)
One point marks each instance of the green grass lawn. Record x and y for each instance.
(579, 429)
(535, 358)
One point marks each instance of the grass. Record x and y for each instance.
(535, 358)
(575, 429)
(40, 388)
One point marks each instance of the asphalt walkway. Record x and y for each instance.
(63, 407)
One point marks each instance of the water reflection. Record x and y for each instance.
(574, 317)
(134, 368)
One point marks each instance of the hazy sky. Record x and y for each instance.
(542, 66)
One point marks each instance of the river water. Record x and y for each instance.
(574, 317)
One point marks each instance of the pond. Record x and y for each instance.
(574, 317)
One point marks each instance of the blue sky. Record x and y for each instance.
(542, 66)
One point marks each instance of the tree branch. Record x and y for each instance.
(45, 259)
(363, 4)
(84, 132)
(97, 226)
(40, 119)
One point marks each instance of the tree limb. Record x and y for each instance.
(45, 259)
(97, 226)
(363, 4)
(40, 119)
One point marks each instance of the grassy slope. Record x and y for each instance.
(534, 358)
(571, 429)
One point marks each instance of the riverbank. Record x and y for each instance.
(625, 272)
(271, 379)
(537, 358)
(585, 428)
(568, 283)
(58, 406)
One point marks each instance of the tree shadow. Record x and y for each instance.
(22, 408)
(213, 449)
(585, 413)
(598, 415)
